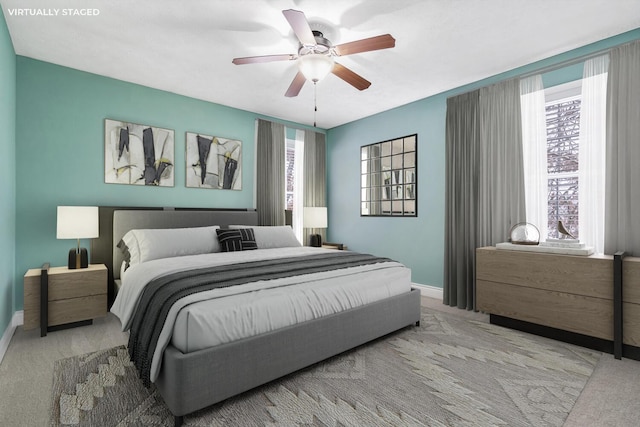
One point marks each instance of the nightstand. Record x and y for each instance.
(339, 246)
(73, 297)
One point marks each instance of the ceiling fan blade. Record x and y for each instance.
(300, 26)
(350, 77)
(365, 45)
(265, 58)
(296, 85)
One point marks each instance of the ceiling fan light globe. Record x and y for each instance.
(315, 67)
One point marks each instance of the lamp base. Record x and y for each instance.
(315, 240)
(78, 260)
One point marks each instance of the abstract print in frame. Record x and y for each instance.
(213, 162)
(138, 154)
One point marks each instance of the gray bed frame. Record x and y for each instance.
(192, 381)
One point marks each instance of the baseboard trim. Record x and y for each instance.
(16, 320)
(429, 291)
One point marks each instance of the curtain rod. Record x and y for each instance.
(284, 123)
(546, 68)
(563, 64)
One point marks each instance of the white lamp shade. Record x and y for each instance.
(77, 222)
(315, 66)
(315, 217)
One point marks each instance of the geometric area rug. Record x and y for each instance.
(449, 371)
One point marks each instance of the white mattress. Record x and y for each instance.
(225, 314)
(221, 320)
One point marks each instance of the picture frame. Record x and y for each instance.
(136, 154)
(213, 162)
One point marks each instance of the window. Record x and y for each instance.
(289, 165)
(293, 199)
(564, 139)
(563, 134)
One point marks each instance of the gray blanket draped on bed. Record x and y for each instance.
(160, 294)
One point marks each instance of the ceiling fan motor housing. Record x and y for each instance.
(322, 45)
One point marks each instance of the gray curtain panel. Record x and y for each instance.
(484, 181)
(622, 186)
(501, 200)
(270, 174)
(461, 204)
(315, 176)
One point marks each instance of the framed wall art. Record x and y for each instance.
(138, 154)
(213, 162)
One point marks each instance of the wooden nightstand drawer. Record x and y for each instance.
(77, 309)
(338, 246)
(65, 283)
(78, 295)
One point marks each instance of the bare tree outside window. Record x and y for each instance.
(289, 165)
(563, 132)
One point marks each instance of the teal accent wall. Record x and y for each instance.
(416, 242)
(60, 152)
(7, 174)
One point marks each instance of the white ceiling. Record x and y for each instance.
(186, 47)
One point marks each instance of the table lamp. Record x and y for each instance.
(315, 217)
(77, 222)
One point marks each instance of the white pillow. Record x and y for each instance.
(123, 269)
(130, 250)
(149, 244)
(268, 237)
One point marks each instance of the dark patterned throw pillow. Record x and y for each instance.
(248, 239)
(236, 240)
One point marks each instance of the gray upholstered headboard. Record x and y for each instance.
(115, 222)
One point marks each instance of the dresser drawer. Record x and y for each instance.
(77, 309)
(76, 283)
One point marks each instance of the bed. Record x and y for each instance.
(196, 359)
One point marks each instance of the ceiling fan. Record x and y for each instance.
(315, 54)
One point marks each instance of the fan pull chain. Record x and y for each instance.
(315, 102)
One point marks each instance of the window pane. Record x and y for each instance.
(409, 192)
(397, 146)
(397, 161)
(563, 132)
(289, 166)
(386, 148)
(386, 193)
(386, 178)
(398, 192)
(410, 143)
(563, 205)
(410, 175)
(386, 163)
(364, 208)
(410, 160)
(409, 207)
(397, 177)
(364, 168)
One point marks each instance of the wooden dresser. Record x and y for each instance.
(77, 295)
(564, 292)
